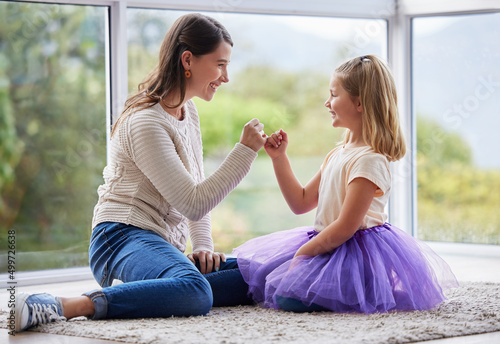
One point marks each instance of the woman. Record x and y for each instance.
(155, 195)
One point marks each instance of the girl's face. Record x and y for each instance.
(345, 111)
(208, 72)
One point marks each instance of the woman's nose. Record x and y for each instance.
(225, 77)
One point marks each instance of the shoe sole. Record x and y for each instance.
(20, 302)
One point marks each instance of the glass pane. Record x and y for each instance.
(53, 130)
(457, 103)
(279, 72)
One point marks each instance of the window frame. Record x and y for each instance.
(399, 15)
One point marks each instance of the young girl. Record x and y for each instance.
(351, 259)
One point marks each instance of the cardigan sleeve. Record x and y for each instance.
(201, 234)
(149, 143)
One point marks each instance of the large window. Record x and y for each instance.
(54, 84)
(456, 82)
(52, 130)
(279, 72)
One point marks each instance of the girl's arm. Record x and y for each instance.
(360, 193)
(300, 199)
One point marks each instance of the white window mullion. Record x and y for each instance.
(118, 58)
(403, 194)
(447, 7)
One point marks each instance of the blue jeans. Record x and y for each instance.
(292, 305)
(159, 280)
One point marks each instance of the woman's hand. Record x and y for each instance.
(208, 261)
(253, 135)
(276, 144)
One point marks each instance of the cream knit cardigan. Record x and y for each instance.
(155, 180)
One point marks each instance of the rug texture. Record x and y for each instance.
(471, 309)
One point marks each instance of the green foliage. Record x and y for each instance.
(10, 146)
(435, 145)
(52, 94)
(222, 119)
(144, 44)
(456, 200)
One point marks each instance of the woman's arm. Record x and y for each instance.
(360, 193)
(300, 199)
(152, 149)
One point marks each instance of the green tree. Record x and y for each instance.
(455, 202)
(52, 61)
(146, 31)
(10, 146)
(438, 146)
(222, 119)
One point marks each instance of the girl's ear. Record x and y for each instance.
(357, 104)
(186, 59)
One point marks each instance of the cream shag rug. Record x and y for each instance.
(471, 309)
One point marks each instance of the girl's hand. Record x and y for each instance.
(253, 135)
(296, 261)
(208, 261)
(299, 252)
(276, 144)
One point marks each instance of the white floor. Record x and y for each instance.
(478, 263)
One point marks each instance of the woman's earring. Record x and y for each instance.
(187, 74)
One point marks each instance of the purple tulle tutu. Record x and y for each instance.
(377, 270)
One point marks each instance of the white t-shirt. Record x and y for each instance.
(342, 166)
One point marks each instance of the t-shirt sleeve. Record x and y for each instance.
(323, 165)
(375, 168)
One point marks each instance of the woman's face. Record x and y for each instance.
(208, 72)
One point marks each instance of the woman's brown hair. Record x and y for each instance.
(193, 32)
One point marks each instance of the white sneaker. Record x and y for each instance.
(35, 309)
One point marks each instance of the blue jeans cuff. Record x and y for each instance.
(100, 304)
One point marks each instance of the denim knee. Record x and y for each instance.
(293, 305)
(202, 295)
(288, 304)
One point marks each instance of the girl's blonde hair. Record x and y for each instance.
(369, 78)
(195, 32)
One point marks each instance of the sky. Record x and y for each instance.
(457, 79)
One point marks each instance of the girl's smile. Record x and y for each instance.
(344, 109)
